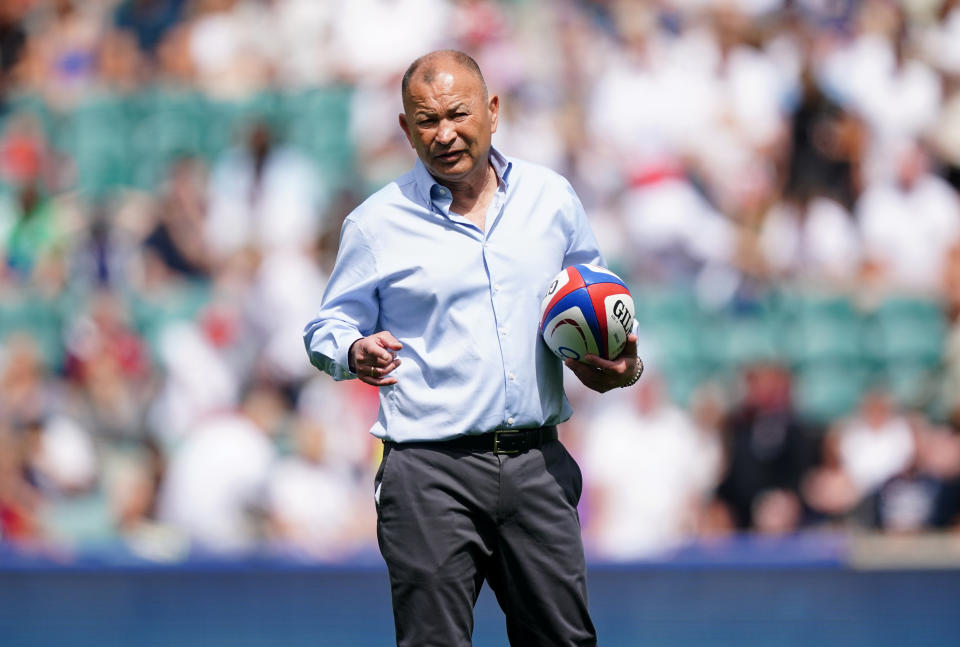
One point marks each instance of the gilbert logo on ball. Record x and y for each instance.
(587, 310)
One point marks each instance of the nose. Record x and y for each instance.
(446, 133)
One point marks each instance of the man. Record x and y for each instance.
(435, 299)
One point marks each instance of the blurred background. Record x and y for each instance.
(776, 180)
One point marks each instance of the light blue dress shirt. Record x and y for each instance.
(464, 302)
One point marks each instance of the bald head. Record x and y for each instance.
(429, 65)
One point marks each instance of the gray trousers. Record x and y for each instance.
(449, 519)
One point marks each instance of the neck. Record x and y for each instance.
(472, 186)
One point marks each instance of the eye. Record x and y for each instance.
(426, 121)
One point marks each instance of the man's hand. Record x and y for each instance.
(600, 374)
(373, 358)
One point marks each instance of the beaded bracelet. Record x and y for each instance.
(636, 376)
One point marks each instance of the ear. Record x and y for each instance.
(405, 128)
(494, 107)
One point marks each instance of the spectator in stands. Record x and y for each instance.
(315, 503)
(828, 491)
(876, 443)
(133, 474)
(177, 241)
(676, 232)
(215, 486)
(29, 230)
(18, 497)
(61, 58)
(13, 40)
(27, 392)
(263, 196)
(109, 367)
(826, 144)
(345, 415)
(232, 44)
(878, 77)
(277, 303)
(100, 251)
(813, 241)
(909, 224)
(768, 448)
(175, 66)
(306, 27)
(648, 472)
(197, 382)
(363, 42)
(148, 20)
(921, 496)
(120, 64)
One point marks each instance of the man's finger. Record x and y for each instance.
(382, 362)
(372, 350)
(376, 374)
(377, 377)
(630, 348)
(383, 369)
(583, 371)
(592, 360)
(386, 340)
(378, 381)
(615, 367)
(594, 377)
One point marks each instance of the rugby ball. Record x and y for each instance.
(587, 309)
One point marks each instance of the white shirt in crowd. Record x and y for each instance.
(216, 482)
(871, 454)
(897, 101)
(909, 230)
(819, 242)
(647, 472)
(280, 214)
(315, 506)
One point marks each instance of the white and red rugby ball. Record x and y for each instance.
(587, 310)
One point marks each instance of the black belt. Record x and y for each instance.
(499, 441)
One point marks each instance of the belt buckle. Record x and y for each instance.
(497, 440)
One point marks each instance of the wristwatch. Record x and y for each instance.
(636, 376)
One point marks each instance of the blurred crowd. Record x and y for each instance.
(773, 177)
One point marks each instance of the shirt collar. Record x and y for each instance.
(433, 192)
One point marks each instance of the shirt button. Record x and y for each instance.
(503, 330)
(442, 191)
(496, 287)
(509, 421)
(512, 377)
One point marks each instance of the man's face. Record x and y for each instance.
(448, 122)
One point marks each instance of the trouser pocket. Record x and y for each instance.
(378, 479)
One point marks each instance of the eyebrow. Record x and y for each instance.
(429, 112)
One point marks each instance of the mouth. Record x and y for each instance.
(449, 157)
